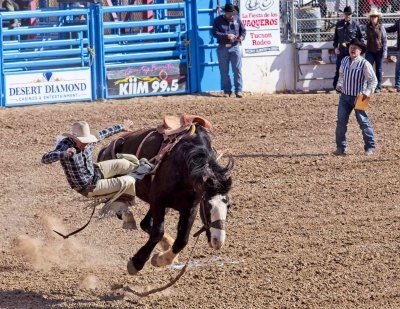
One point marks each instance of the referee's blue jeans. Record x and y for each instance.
(230, 55)
(346, 105)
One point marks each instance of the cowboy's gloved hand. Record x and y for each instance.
(69, 152)
(128, 124)
(144, 168)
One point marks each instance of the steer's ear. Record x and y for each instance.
(208, 173)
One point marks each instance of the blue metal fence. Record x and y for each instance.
(144, 57)
(39, 64)
(103, 52)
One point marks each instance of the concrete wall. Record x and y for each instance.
(277, 73)
(270, 74)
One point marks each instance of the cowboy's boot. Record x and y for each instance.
(122, 211)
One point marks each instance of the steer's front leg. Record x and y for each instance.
(185, 224)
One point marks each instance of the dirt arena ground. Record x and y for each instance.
(306, 230)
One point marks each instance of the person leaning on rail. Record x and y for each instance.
(111, 177)
(17, 5)
(345, 30)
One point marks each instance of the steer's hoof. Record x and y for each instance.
(131, 268)
(155, 260)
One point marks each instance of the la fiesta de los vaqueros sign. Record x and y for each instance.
(261, 20)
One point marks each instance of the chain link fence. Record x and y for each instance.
(314, 21)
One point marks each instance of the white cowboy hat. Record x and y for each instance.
(82, 132)
(374, 12)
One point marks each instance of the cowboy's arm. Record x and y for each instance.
(370, 78)
(242, 31)
(358, 32)
(384, 42)
(336, 37)
(339, 86)
(217, 32)
(107, 132)
(57, 154)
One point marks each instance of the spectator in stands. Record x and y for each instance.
(229, 32)
(346, 30)
(356, 76)
(18, 5)
(376, 44)
(11, 6)
(396, 28)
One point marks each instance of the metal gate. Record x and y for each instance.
(207, 71)
(142, 56)
(48, 63)
(82, 54)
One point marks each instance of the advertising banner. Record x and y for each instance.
(48, 87)
(147, 79)
(261, 20)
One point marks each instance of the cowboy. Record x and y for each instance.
(112, 177)
(356, 77)
(345, 30)
(229, 32)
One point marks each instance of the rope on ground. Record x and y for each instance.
(166, 286)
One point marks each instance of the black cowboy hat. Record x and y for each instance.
(347, 10)
(229, 8)
(359, 43)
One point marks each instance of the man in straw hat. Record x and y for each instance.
(229, 32)
(345, 30)
(356, 76)
(75, 153)
(376, 44)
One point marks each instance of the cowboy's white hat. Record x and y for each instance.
(374, 12)
(82, 132)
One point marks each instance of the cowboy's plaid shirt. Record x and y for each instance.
(79, 168)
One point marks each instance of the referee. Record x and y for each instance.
(356, 76)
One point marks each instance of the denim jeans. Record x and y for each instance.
(231, 55)
(376, 58)
(346, 105)
(397, 73)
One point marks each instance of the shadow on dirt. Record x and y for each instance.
(26, 299)
(19, 299)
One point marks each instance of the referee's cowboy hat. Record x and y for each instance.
(359, 43)
(347, 10)
(230, 8)
(82, 133)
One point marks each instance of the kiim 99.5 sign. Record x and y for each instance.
(147, 79)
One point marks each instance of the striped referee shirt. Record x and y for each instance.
(356, 77)
(79, 168)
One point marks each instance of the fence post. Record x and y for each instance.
(98, 31)
(93, 52)
(2, 83)
(191, 18)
